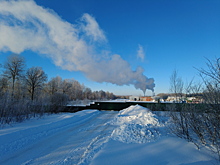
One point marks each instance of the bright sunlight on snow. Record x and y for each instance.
(134, 135)
(136, 125)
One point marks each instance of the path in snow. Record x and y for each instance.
(134, 135)
(73, 140)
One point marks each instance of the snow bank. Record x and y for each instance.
(136, 124)
(140, 137)
(165, 151)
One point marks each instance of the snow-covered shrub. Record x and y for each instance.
(57, 102)
(200, 123)
(13, 110)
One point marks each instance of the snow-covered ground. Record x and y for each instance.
(134, 135)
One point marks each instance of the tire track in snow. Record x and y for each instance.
(97, 142)
(70, 144)
(95, 135)
(16, 140)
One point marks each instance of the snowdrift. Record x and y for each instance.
(134, 135)
(141, 137)
(136, 124)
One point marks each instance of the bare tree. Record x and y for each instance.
(211, 96)
(54, 85)
(176, 84)
(211, 79)
(212, 72)
(35, 78)
(14, 67)
(87, 93)
(65, 86)
(76, 90)
(3, 85)
(200, 123)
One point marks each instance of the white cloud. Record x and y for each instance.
(140, 52)
(26, 26)
(92, 29)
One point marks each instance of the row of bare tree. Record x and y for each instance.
(199, 124)
(26, 92)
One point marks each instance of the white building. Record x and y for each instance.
(174, 99)
(134, 98)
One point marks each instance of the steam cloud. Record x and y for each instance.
(140, 52)
(75, 47)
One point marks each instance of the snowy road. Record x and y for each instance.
(134, 135)
(73, 140)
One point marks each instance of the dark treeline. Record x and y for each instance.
(25, 93)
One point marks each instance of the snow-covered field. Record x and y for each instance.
(132, 136)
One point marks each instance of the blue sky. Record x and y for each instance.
(158, 36)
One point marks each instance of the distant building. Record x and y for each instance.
(194, 100)
(140, 98)
(174, 99)
(134, 98)
(146, 98)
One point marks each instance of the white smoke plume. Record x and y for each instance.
(26, 26)
(140, 52)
